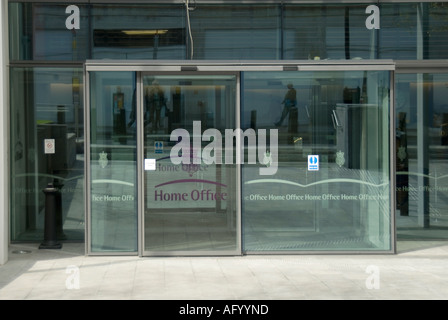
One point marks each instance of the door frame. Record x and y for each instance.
(141, 171)
(216, 67)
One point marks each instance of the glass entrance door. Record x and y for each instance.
(232, 159)
(190, 194)
(332, 189)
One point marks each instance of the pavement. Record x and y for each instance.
(419, 271)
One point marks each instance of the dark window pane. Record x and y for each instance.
(46, 103)
(39, 32)
(138, 32)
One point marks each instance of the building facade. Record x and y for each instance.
(178, 127)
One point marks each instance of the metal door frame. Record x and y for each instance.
(223, 67)
(141, 172)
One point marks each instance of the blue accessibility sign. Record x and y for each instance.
(313, 163)
(158, 146)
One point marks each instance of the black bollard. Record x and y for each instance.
(50, 235)
(59, 221)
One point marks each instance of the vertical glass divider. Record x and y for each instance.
(392, 161)
(87, 160)
(238, 167)
(140, 154)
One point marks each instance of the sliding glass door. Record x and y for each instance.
(190, 193)
(231, 159)
(332, 188)
(112, 164)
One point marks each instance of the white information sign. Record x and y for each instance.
(150, 164)
(313, 163)
(49, 146)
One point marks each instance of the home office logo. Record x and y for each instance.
(213, 152)
(103, 161)
(340, 159)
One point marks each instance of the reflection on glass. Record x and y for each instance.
(230, 32)
(413, 31)
(189, 207)
(242, 31)
(332, 188)
(328, 31)
(39, 32)
(46, 105)
(138, 31)
(113, 180)
(422, 184)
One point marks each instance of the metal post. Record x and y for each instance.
(59, 220)
(50, 237)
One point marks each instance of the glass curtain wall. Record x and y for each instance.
(46, 107)
(412, 31)
(227, 32)
(38, 32)
(422, 150)
(39, 36)
(321, 32)
(331, 188)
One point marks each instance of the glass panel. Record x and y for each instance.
(422, 145)
(327, 32)
(236, 32)
(398, 32)
(331, 188)
(413, 31)
(138, 32)
(437, 36)
(39, 32)
(46, 103)
(113, 191)
(305, 31)
(189, 206)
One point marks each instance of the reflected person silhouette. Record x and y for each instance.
(155, 101)
(288, 102)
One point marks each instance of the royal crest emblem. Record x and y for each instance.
(103, 161)
(340, 159)
(402, 153)
(267, 159)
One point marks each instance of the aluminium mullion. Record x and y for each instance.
(393, 169)
(140, 172)
(87, 167)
